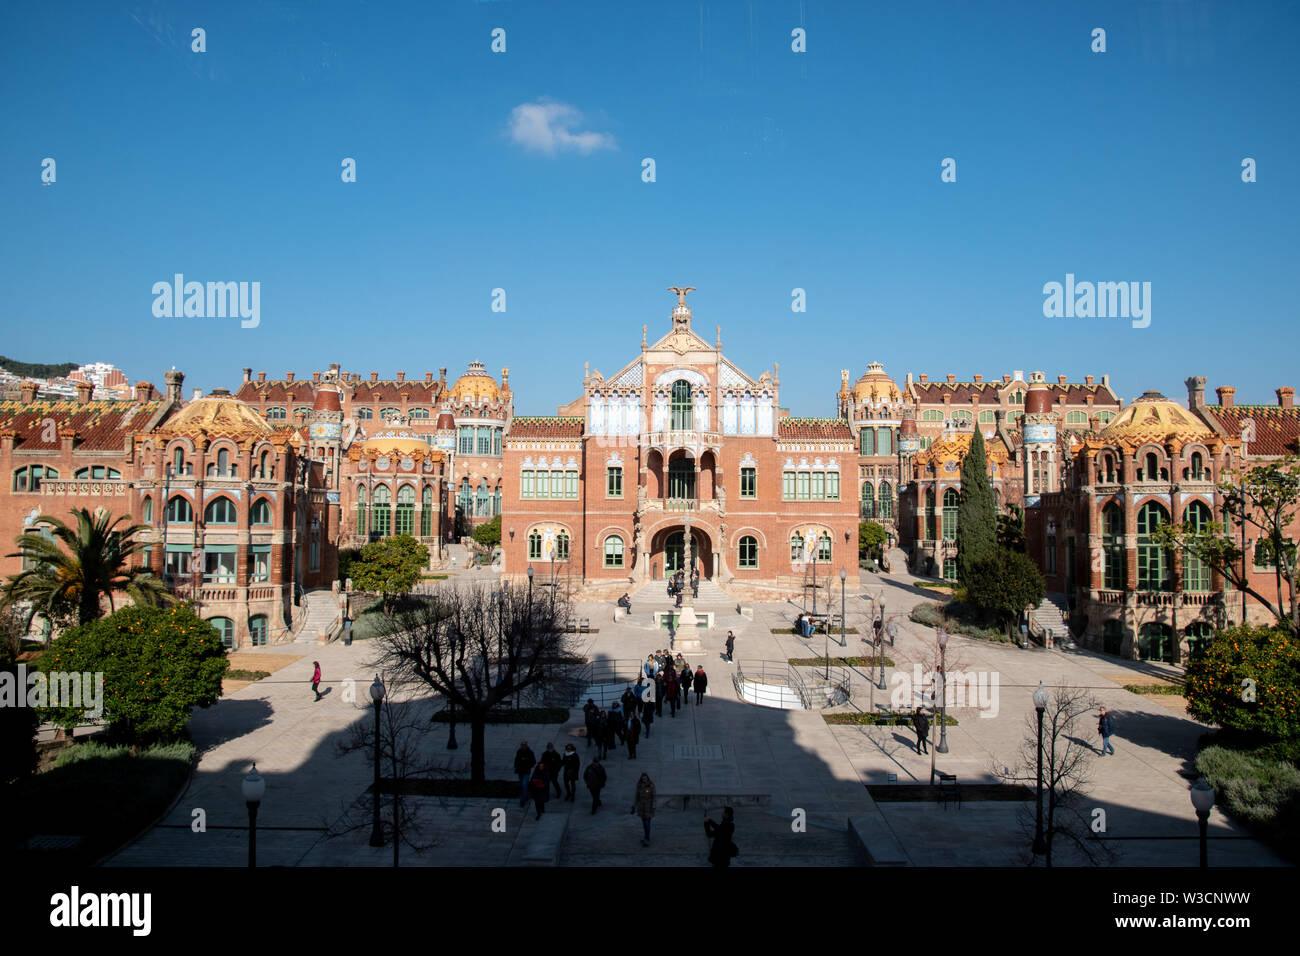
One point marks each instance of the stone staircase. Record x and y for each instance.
(321, 607)
(1051, 616)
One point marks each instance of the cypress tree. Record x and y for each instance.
(977, 512)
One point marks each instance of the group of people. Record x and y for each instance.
(670, 678)
(677, 584)
(538, 776)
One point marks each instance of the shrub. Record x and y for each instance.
(156, 664)
(957, 618)
(488, 533)
(1269, 658)
(390, 567)
(1003, 585)
(1261, 792)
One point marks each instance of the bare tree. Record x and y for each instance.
(1066, 761)
(476, 647)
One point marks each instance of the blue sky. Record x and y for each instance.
(775, 171)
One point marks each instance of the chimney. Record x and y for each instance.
(261, 377)
(1195, 391)
(952, 379)
(248, 375)
(442, 378)
(84, 391)
(1006, 379)
(1286, 397)
(334, 370)
(979, 379)
(143, 391)
(315, 377)
(174, 380)
(27, 391)
(1225, 393)
(401, 376)
(1061, 379)
(374, 376)
(1087, 380)
(505, 378)
(428, 378)
(288, 376)
(925, 379)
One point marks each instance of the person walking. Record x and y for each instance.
(660, 681)
(684, 684)
(571, 764)
(723, 848)
(633, 737)
(315, 679)
(695, 583)
(922, 724)
(648, 715)
(553, 763)
(524, 763)
(591, 719)
(594, 777)
(611, 734)
(539, 786)
(731, 646)
(1106, 727)
(670, 691)
(616, 719)
(701, 683)
(643, 804)
(628, 698)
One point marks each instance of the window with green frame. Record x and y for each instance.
(932, 415)
(226, 628)
(867, 438)
(570, 484)
(426, 512)
(614, 551)
(885, 501)
(796, 548)
(748, 558)
(1156, 643)
(818, 486)
(824, 547)
(1076, 418)
(613, 482)
(526, 483)
(220, 511)
(787, 485)
(1200, 635)
(868, 509)
(405, 523)
(962, 415)
(832, 486)
(1152, 557)
(885, 441)
(496, 442)
(931, 525)
(258, 631)
(805, 485)
(951, 502)
(259, 563)
(950, 569)
(261, 513)
(97, 472)
(361, 509)
(1196, 573)
(534, 545)
(1112, 546)
(557, 484)
(683, 411)
(466, 439)
(988, 417)
(179, 510)
(381, 516)
(749, 482)
(484, 446)
(561, 547)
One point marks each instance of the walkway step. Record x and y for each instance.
(548, 836)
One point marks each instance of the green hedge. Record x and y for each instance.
(1154, 688)
(958, 618)
(1258, 789)
(246, 675)
(881, 719)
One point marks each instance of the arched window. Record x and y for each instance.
(426, 512)
(1196, 573)
(951, 502)
(561, 547)
(496, 500)
(988, 417)
(388, 414)
(146, 511)
(179, 510)
(276, 414)
(226, 628)
(1076, 418)
(178, 461)
(466, 498)
(824, 547)
(868, 501)
(418, 413)
(932, 415)
(1198, 466)
(1017, 398)
(382, 512)
(796, 548)
(614, 549)
(931, 524)
(223, 462)
(534, 545)
(96, 472)
(30, 478)
(264, 465)
(364, 414)
(258, 631)
(361, 509)
(405, 523)
(1200, 635)
(962, 415)
(1112, 546)
(1152, 470)
(1156, 642)
(1153, 558)
(683, 412)
(748, 558)
(481, 499)
(261, 513)
(220, 511)
(885, 508)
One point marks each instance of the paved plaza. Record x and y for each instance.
(798, 784)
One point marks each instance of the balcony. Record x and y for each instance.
(682, 504)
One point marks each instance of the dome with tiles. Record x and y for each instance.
(875, 386)
(476, 385)
(1154, 418)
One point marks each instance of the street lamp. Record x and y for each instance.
(254, 788)
(843, 607)
(943, 690)
(1040, 704)
(1203, 801)
(376, 829)
(878, 627)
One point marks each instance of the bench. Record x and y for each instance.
(949, 789)
(584, 625)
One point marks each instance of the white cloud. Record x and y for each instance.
(548, 127)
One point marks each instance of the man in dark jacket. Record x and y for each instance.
(670, 688)
(591, 719)
(723, 848)
(524, 763)
(613, 731)
(540, 785)
(552, 761)
(922, 725)
(628, 698)
(684, 685)
(633, 737)
(618, 720)
(571, 765)
(1106, 727)
(660, 678)
(731, 645)
(595, 780)
(647, 716)
(700, 683)
(602, 735)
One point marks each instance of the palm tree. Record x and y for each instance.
(95, 564)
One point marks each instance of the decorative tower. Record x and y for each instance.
(325, 434)
(1041, 464)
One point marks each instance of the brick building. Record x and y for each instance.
(679, 460)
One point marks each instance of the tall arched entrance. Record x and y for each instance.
(671, 554)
